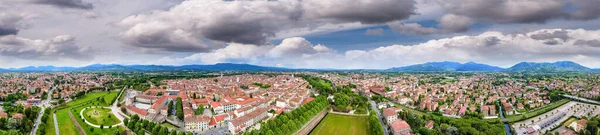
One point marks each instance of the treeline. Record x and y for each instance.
(42, 126)
(19, 126)
(318, 84)
(376, 128)
(452, 126)
(140, 126)
(289, 123)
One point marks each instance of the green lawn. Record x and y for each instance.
(335, 124)
(169, 125)
(65, 125)
(112, 95)
(100, 116)
(536, 112)
(50, 124)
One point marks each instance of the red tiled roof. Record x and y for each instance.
(399, 125)
(137, 110)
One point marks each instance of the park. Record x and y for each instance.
(338, 124)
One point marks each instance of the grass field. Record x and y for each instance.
(169, 125)
(100, 116)
(50, 124)
(67, 127)
(536, 112)
(335, 124)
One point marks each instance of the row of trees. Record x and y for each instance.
(318, 84)
(452, 126)
(140, 126)
(288, 123)
(376, 127)
(179, 107)
(42, 126)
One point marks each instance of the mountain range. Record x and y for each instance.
(559, 66)
(446, 66)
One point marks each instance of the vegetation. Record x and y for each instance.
(536, 112)
(179, 107)
(23, 125)
(142, 126)
(288, 123)
(452, 126)
(345, 125)
(375, 124)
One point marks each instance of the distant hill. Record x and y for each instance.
(145, 68)
(560, 66)
(447, 66)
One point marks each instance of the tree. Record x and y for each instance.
(179, 106)
(101, 126)
(173, 132)
(341, 100)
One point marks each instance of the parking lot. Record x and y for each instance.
(547, 121)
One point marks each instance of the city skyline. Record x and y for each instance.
(297, 34)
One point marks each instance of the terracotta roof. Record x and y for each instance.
(400, 125)
(137, 110)
(389, 112)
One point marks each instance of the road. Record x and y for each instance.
(115, 109)
(582, 99)
(43, 105)
(506, 125)
(374, 107)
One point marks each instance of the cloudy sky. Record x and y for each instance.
(345, 34)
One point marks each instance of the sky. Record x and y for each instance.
(341, 34)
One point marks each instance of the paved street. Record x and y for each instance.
(43, 105)
(374, 107)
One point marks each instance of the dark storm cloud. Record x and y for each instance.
(59, 47)
(561, 34)
(77, 4)
(251, 22)
(491, 41)
(8, 31)
(587, 9)
(363, 11)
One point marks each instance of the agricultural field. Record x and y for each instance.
(335, 124)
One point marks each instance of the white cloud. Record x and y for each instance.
(493, 48)
(204, 22)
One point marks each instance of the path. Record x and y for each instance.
(374, 107)
(115, 109)
(55, 125)
(92, 124)
(349, 114)
(309, 126)
(76, 124)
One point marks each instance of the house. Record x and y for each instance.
(400, 127)
(390, 114)
(242, 123)
(429, 124)
(17, 116)
(579, 125)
